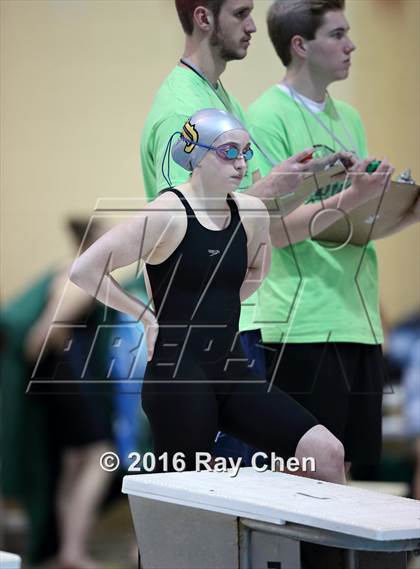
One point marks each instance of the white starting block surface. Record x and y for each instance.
(9, 560)
(280, 498)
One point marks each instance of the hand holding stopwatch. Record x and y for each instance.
(347, 159)
(324, 157)
(373, 166)
(370, 178)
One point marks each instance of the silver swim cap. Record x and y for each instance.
(203, 127)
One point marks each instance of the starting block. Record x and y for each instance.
(203, 520)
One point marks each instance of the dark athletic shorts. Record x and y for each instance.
(341, 384)
(78, 415)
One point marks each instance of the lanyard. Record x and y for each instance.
(226, 103)
(197, 71)
(329, 130)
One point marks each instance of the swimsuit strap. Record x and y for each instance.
(234, 211)
(188, 208)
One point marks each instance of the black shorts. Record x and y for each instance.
(341, 384)
(77, 420)
(78, 415)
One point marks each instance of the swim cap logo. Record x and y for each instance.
(189, 132)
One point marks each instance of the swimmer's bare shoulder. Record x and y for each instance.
(167, 215)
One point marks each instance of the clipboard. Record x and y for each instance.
(318, 178)
(372, 219)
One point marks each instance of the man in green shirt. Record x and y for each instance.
(318, 308)
(217, 31)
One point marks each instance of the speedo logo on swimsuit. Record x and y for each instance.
(189, 132)
(213, 252)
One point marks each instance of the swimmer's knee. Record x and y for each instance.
(327, 451)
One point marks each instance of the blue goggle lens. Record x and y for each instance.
(232, 153)
(248, 154)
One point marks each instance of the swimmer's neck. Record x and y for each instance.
(204, 199)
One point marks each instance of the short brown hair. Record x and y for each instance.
(185, 9)
(288, 18)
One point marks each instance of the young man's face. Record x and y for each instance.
(329, 54)
(233, 29)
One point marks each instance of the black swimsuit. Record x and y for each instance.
(199, 380)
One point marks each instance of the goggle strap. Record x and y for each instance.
(167, 157)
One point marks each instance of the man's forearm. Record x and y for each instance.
(263, 189)
(310, 219)
(409, 219)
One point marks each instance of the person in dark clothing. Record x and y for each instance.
(78, 417)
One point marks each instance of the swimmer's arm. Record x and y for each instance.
(257, 223)
(127, 243)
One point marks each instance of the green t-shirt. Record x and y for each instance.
(181, 95)
(314, 293)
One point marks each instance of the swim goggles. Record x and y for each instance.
(225, 151)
